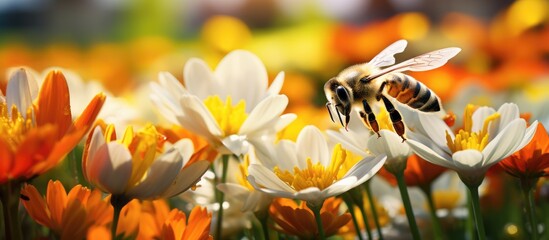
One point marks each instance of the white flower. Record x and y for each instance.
(231, 107)
(360, 140)
(307, 171)
(487, 138)
(133, 166)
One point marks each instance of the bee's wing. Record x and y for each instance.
(424, 62)
(386, 56)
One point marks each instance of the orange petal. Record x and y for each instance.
(56, 198)
(86, 119)
(54, 103)
(33, 151)
(199, 224)
(7, 160)
(98, 233)
(59, 151)
(74, 223)
(175, 225)
(36, 206)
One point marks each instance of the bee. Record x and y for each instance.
(360, 85)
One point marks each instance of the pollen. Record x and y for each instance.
(13, 128)
(465, 138)
(229, 118)
(315, 175)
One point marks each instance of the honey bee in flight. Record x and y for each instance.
(360, 85)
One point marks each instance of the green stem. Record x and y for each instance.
(365, 220)
(475, 202)
(407, 205)
(9, 194)
(117, 202)
(437, 228)
(470, 222)
(265, 226)
(258, 229)
(350, 207)
(221, 197)
(373, 208)
(316, 211)
(527, 186)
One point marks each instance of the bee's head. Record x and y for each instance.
(340, 97)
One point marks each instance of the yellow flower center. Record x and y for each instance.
(315, 175)
(466, 139)
(229, 118)
(243, 176)
(13, 129)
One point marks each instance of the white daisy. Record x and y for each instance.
(307, 171)
(488, 137)
(231, 107)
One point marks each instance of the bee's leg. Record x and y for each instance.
(369, 118)
(380, 91)
(395, 116)
(328, 105)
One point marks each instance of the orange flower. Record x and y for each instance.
(35, 134)
(69, 216)
(300, 221)
(532, 161)
(418, 172)
(197, 227)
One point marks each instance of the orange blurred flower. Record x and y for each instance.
(532, 161)
(298, 220)
(67, 215)
(36, 127)
(178, 227)
(418, 172)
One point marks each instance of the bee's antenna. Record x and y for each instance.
(328, 104)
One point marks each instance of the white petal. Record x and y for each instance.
(256, 201)
(467, 160)
(270, 191)
(19, 91)
(198, 118)
(508, 112)
(97, 140)
(237, 144)
(267, 178)
(341, 186)
(389, 144)
(438, 147)
(111, 167)
(159, 176)
(312, 195)
(312, 144)
(241, 71)
(348, 142)
(435, 128)
(276, 85)
(366, 168)
(505, 143)
(478, 119)
(283, 121)
(199, 79)
(530, 131)
(264, 115)
(428, 154)
(185, 148)
(186, 178)
(171, 84)
(286, 155)
(234, 190)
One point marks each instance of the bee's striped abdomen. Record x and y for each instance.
(413, 93)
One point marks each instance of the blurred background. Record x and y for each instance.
(119, 46)
(123, 44)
